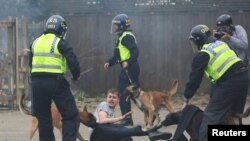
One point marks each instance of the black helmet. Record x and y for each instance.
(199, 35)
(224, 20)
(122, 21)
(57, 24)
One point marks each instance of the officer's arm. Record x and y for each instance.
(66, 50)
(199, 64)
(30, 56)
(114, 59)
(129, 42)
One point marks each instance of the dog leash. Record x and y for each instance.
(131, 82)
(129, 78)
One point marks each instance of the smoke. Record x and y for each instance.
(31, 9)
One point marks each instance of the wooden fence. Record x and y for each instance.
(162, 33)
(165, 52)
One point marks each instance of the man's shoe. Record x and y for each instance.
(127, 122)
(154, 128)
(153, 136)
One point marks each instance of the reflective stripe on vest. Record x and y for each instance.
(221, 59)
(124, 52)
(46, 57)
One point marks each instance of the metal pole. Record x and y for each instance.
(17, 60)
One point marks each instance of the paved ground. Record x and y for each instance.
(15, 126)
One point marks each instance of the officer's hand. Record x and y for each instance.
(184, 105)
(76, 79)
(79, 77)
(124, 64)
(186, 102)
(106, 66)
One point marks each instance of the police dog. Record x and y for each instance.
(189, 120)
(56, 118)
(150, 102)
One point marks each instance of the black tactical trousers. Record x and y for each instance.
(228, 96)
(56, 88)
(133, 73)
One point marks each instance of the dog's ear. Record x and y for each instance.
(134, 88)
(85, 108)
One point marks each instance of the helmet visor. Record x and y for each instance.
(64, 35)
(114, 26)
(194, 46)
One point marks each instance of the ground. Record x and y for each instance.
(15, 126)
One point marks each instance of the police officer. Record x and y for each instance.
(50, 55)
(126, 54)
(234, 35)
(224, 69)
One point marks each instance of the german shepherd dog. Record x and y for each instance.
(56, 118)
(189, 120)
(150, 102)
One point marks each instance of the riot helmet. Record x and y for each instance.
(120, 23)
(198, 36)
(57, 24)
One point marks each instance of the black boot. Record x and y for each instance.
(156, 135)
(127, 122)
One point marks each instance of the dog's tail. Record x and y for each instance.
(21, 106)
(246, 113)
(173, 89)
(167, 97)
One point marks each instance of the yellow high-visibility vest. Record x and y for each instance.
(123, 51)
(221, 58)
(46, 57)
